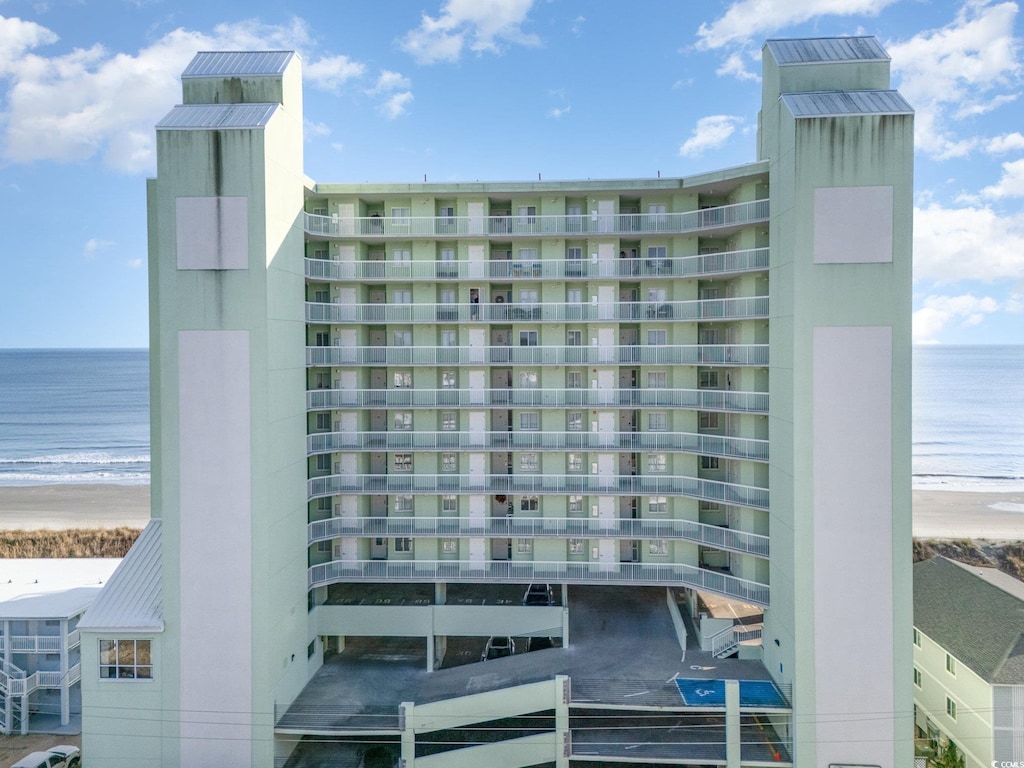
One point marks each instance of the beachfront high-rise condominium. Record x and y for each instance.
(383, 410)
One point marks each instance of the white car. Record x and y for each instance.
(61, 756)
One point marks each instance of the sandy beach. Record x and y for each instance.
(937, 514)
(58, 507)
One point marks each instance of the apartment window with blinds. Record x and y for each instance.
(403, 462)
(402, 380)
(707, 420)
(575, 505)
(449, 338)
(323, 462)
(657, 421)
(449, 421)
(529, 462)
(707, 379)
(574, 339)
(524, 546)
(528, 380)
(529, 420)
(657, 547)
(529, 504)
(401, 297)
(575, 546)
(403, 421)
(402, 255)
(403, 545)
(657, 462)
(400, 216)
(449, 462)
(402, 338)
(323, 422)
(449, 546)
(574, 421)
(450, 505)
(449, 380)
(657, 337)
(657, 379)
(574, 462)
(657, 505)
(574, 379)
(403, 504)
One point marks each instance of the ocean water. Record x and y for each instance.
(74, 416)
(969, 418)
(82, 416)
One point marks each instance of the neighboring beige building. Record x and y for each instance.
(969, 660)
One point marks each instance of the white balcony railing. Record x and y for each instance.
(602, 485)
(724, 263)
(405, 227)
(703, 310)
(623, 354)
(540, 527)
(697, 399)
(524, 572)
(504, 440)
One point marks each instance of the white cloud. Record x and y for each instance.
(315, 129)
(557, 112)
(331, 72)
(1011, 183)
(966, 68)
(94, 244)
(971, 243)
(577, 25)
(480, 25)
(736, 66)
(711, 132)
(134, 263)
(749, 19)
(1008, 142)
(939, 311)
(396, 104)
(389, 81)
(92, 102)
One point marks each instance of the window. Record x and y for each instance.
(323, 381)
(403, 545)
(950, 665)
(574, 339)
(403, 338)
(657, 547)
(447, 296)
(574, 379)
(710, 293)
(322, 297)
(657, 379)
(449, 380)
(529, 462)
(574, 462)
(323, 546)
(529, 504)
(574, 210)
(707, 380)
(403, 462)
(574, 421)
(400, 216)
(126, 660)
(575, 505)
(322, 339)
(449, 546)
(524, 546)
(657, 337)
(448, 254)
(527, 212)
(323, 422)
(657, 212)
(528, 255)
(323, 462)
(576, 546)
(574, 296)
(574, 253)
(446, 211)
(402, 379)
(403, 504)
(403, 421)
(657, 505)
(321, 253)
(707, 420)
(951, 707)
(917, 638)
(323, 504)
(657, 253)
(707, 336)
(449, 338)
(319, 211)
(709, 462)
(657, 462)
(450, 505)
(449, 421)
(528, 380)
(401, 254)
(528, 296)
(401, 297)
(657, 421)
(917, 677)
(529, 420)
(449, 462)
(311, 650)
(656, 294)
(527, 338)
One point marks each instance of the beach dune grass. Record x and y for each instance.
(72, 542)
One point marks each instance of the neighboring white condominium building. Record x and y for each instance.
(381, 411)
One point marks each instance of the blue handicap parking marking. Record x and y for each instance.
(711, 693)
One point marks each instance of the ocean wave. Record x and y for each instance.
(74, 478)
(89, 457)
(975, 483)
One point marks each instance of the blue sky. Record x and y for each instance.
(490, 90)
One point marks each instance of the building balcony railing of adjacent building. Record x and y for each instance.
(519, 527)
(697, 399)
(415, 440)
(531, 571)
(709, 264)
(538, 484)
(622, 354)
(566, 225)
(23, 686)
(698, 310)
(37, 643)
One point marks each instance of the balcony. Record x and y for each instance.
(725, 263)
(599, 485)
(415, 440)
(722, 400)
(748, 308)
(440, 227)
(631, 354)
(549, 572)
(540, 527)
